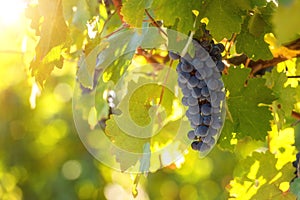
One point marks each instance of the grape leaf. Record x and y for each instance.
(54, 36)
(260, 22)
(85, 11)
(225, 18)
(253, 46)
(179, 16)
(140, 103)
(113, 55)
(227, 135)
(127, 143)
(243, 104)
(247, 5)
(295, 187)
(133, 12)
(286, 22)
(258, 178)
(285, 95)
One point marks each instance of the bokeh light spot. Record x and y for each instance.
(71, 169)
(63, 92)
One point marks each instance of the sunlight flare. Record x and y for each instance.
(11, 11)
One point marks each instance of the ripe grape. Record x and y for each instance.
(203, 92)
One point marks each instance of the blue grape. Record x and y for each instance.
(213, 96)
(194, 109)
(207, 139)
(189, 86)
(184, 77)
(196, 93)
(198, 75)
(220, 66)
(216, 123)
(193, 81)
(206, 109)
(205, 91)
(201, 131)
(184, 101)
(206, 72)
(221, 47)
(212, 84)
(187, 68)
(182, 85)
(196, 145)
(196, 119)
(173, 55)
(191, 135)
(213, 132)
(201, 84)
(221, 95)
(207, 120)
(202, 55)
(197, 64)
(212, 142)
(186, 91)
(192, 101)
(204, 147)
(178, 68)
(210, 63)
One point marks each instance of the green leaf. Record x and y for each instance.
(286, 22)
(54, 36)
(141, 103)
(127, 143)
(258, 178)
(227, 135)
(295, 187)
(253, 46)
(113, 55)
(133, 12)
(248, 117)
(225, 18)
(285, 95)
(176, 13)
(260, 22)
(83, 13)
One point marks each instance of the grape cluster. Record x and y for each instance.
(296, 164)
(199, 78)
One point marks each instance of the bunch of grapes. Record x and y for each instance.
(296, 164)
(199, 78)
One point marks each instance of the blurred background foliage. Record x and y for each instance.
(41, 155)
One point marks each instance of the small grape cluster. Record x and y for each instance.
(203, 92)
(296, 164)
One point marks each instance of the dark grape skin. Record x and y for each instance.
(191, 135)
(200, 71)
(174, 56)
(296, 164)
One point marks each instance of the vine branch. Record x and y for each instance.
(118, 6)
(262, 64)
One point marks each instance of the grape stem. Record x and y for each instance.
(296, 115)
(154, 23)
(228, 113)
(293, 76)
(165, 81)
(118, 5)
(119, 29)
